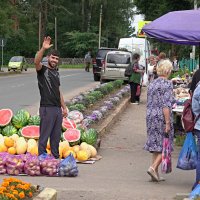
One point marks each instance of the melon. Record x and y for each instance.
(72, 135)
(68, 123)
(31, 132)
(9, 130)
(5, 116)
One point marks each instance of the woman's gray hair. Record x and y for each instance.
(164, 67)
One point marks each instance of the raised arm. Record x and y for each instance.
(46, 45)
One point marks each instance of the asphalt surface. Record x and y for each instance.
(20, 90)
(121, 173)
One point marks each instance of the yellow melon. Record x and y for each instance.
(34, 151)
(21, 145)
(12, 150)
(76, 148)
(31, 144)
(82, 155)
(48, 144)
(67, 152)
(14, 137)
(9, 142)
(3, 148)
(92, 150)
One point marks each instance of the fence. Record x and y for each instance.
(66, 61)
(189, 64)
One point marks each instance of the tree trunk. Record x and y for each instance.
(83, 14)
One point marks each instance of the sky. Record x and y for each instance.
(137, 18)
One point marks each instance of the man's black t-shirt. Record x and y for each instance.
(48, 83)
(195, 80)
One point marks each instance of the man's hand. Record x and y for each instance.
(47, 43)
(65, 112)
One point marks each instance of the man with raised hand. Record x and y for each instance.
(52, 106)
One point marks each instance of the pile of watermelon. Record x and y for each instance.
(27, 126)
(21, 123)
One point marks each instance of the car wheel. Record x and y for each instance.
(8, 70)
(25, 69)
(96, 77)
(103, 81)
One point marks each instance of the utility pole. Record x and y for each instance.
(2, 45)
(193, 47)
(100, 26)
(56, 47)
(39, 34)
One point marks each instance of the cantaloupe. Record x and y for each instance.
(21, 145)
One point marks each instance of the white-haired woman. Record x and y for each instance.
(159, 119)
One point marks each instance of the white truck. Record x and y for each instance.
(136, 45)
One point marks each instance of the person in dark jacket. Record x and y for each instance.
(195, 80)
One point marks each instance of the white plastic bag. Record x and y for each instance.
(145, 81)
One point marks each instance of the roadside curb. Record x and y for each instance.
(9, 73)
(47, 194)
(182, 196)
(111, 119)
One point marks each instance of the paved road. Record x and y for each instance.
(21, 90)
(121, 173)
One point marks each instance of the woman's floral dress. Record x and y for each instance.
(159, 96)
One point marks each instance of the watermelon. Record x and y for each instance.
(72, 135)
(34, 120)
(68, 123)
(19, 120)
(31, 131)
(5, 117)
(24, 112)
(9, 130)
(89, 136)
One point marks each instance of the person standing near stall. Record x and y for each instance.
(135, 80)
(52, 107)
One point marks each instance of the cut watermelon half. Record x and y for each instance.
(5, 116)
(72, 135)
(68, 123)
(31, 132)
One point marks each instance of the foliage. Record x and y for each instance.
(14, 189)
(80, 107)
(77, 25)
(179, 73)
(153, 9)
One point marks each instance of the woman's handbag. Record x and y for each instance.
(166, 164)
(188, 156)
(138, 91)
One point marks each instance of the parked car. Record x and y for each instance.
(44, 61)
(115, 65)
(98, 60)
(17, 63)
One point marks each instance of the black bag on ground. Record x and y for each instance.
(128, 71)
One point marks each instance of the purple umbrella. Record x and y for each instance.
(179, 27)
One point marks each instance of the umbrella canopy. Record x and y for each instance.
(180, 27)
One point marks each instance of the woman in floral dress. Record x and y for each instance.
(159, 119)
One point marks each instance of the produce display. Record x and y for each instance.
(19, 134)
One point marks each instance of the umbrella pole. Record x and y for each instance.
(199, 55)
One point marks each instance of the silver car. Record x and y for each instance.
(114, 65)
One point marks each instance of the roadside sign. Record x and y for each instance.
(141, 24)
(2, 42)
